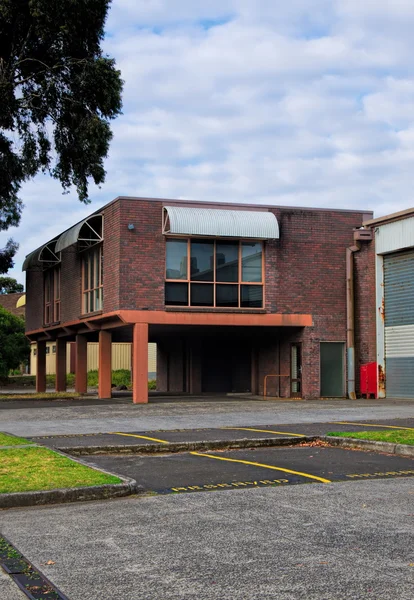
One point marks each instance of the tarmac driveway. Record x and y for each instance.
(347, 541)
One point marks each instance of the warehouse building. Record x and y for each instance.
(239, 298)
(394, 243)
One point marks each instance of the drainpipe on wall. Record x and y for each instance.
(350, 317)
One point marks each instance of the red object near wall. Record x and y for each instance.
(368, 379)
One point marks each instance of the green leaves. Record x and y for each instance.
(8, 285)
(14, 346)
(57, 96)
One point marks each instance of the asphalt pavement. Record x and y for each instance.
(347, 541)
(91, 416)
(252, 431)
(231, 524)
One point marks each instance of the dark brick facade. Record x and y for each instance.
(304, 274)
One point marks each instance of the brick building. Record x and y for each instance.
(237, 297)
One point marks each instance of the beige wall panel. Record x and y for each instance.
(152, 358)
(121, 357)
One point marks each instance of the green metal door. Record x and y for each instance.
(332, 369)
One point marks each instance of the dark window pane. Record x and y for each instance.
(252, 296)
(176, 294)
(201, 294)
(176, 263)
(227, 295)
(252, 261)
(202, 260)
(227, 261)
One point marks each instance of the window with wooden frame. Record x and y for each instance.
(92, 280)
(206, 273)
(51, 295)
(56, 295)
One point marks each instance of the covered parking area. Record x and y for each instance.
(196, 353)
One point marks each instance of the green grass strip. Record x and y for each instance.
(401, 436)
(36, 469)
(10, 440)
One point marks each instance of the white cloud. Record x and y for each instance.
(297, 103)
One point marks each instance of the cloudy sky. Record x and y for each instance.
(299, 102)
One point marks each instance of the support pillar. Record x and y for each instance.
(60, 385)
(140, 363)
(81, 364)
(41, 367)
(105, 365)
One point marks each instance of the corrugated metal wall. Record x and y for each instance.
(121, 357)
(399, 323)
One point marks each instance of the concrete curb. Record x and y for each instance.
(357, 444)
(62, 495)
(173, 447)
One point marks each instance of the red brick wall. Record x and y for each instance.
(70, 285)
(114, 236)
(142, 256)
(34, 299)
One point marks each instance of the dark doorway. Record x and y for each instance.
(226, 367)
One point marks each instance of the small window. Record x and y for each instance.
(34, 352)
(53, 349)
(47, 349)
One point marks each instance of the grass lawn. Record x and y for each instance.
(400, 436)
(35, 469)
(10, 440)
(45, 396)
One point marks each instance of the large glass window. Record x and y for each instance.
(92, 280)
(214, 273)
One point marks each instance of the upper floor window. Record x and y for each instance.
(52, 295)
(92, 280)
(214, 273)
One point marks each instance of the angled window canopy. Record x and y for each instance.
(213, 222)
(46, 255)
(87, 233)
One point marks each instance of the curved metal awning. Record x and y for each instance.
(88, 232)
(45, 254)
(216, 222)
(21, 301)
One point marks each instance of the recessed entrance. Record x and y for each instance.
(226, 368)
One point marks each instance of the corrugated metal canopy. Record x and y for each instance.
(31, 259)
(72, 235)
(44, 254)
(260, 225)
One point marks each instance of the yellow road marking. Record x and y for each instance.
(142, 437)
(372, 425)
(254, 464)
(263, 431)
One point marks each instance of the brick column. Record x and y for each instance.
(81, 364)
(60, 385)
(140, 363)
(105, 365)
(41, 367)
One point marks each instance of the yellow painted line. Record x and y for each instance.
(264, 431)
(254, 464)
(372, 425)
(142, 437)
